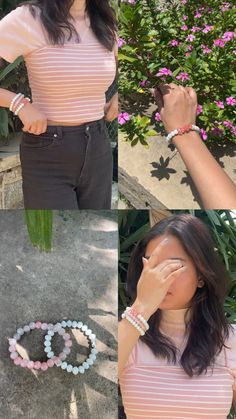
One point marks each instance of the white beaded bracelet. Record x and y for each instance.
(180, 131)
(14, 100)
(90, 336)
(21, 106)
(134, 323)
(140, 317)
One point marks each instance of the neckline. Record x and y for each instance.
(174, 317)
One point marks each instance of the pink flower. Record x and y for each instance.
(197, 15)
(228, 124)
(195, 29)
(228, 36)
(230, 101)
(157, 117)
(206, 49)
(123, 117)
(174, 42)
(190, 38)
(219, 104)
(184, 1)
(225, 7)
(164, 72)
(207, 28)
(233, 130)
(121, 42)
(199, 109)
(143, 83)
(217, 131)
(185, 17)
(183, 76)
(203, 134)
(184, 27)
(219, 43)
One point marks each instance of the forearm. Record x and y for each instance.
(128, 336)
(6, 97)
(215, 188)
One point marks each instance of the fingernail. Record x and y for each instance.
(144, 259)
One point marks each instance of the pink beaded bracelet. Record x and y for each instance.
(38, 365)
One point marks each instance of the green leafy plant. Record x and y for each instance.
(39, 224)
(181, 42)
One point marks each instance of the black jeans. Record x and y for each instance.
(67, 167)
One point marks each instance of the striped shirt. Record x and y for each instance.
(68, 83)
(151, 388)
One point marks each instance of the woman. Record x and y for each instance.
(184, 365)
(70, 53)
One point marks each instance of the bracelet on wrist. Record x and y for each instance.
(180, 131)
(136, 319)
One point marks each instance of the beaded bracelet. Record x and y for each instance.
(181, 131)
(14, 100)
(37, 365)
(131, 319)
(22, 104)
(139, 316)
(90, 336)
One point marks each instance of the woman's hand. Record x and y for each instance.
(154, 282)
(177, 105)
(111, 108)
(34, 121)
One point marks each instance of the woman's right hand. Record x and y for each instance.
(177, 105)
(35, 122)
(154, 283)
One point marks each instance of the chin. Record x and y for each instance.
(167, 305)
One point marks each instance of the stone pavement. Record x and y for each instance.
(77, 280)
(157, 177)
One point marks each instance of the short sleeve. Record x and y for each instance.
(132, 357)
(231, 353)
(14, 34)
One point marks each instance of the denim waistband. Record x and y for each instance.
(87, 126)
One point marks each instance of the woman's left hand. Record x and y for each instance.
(111, 108)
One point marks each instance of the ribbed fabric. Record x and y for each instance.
(153, 389)
(68, 82)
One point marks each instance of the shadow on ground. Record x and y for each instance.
(77, 280)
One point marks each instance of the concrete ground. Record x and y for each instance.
(157, 177)
(77, 280)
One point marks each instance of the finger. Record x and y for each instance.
(153, 261)
(192, 93)
(174, 274)
(170, 268)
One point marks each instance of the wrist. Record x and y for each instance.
(188, 136)
(142, 309)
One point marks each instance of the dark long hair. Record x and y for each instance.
(208, 327)
(55, 16)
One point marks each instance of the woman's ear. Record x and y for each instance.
(200, 282)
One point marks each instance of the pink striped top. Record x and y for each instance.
(151, 388)
(68, 83)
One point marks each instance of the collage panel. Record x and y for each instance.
(177, 295)
(58, 315)
(177, 143)
(58, 104)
